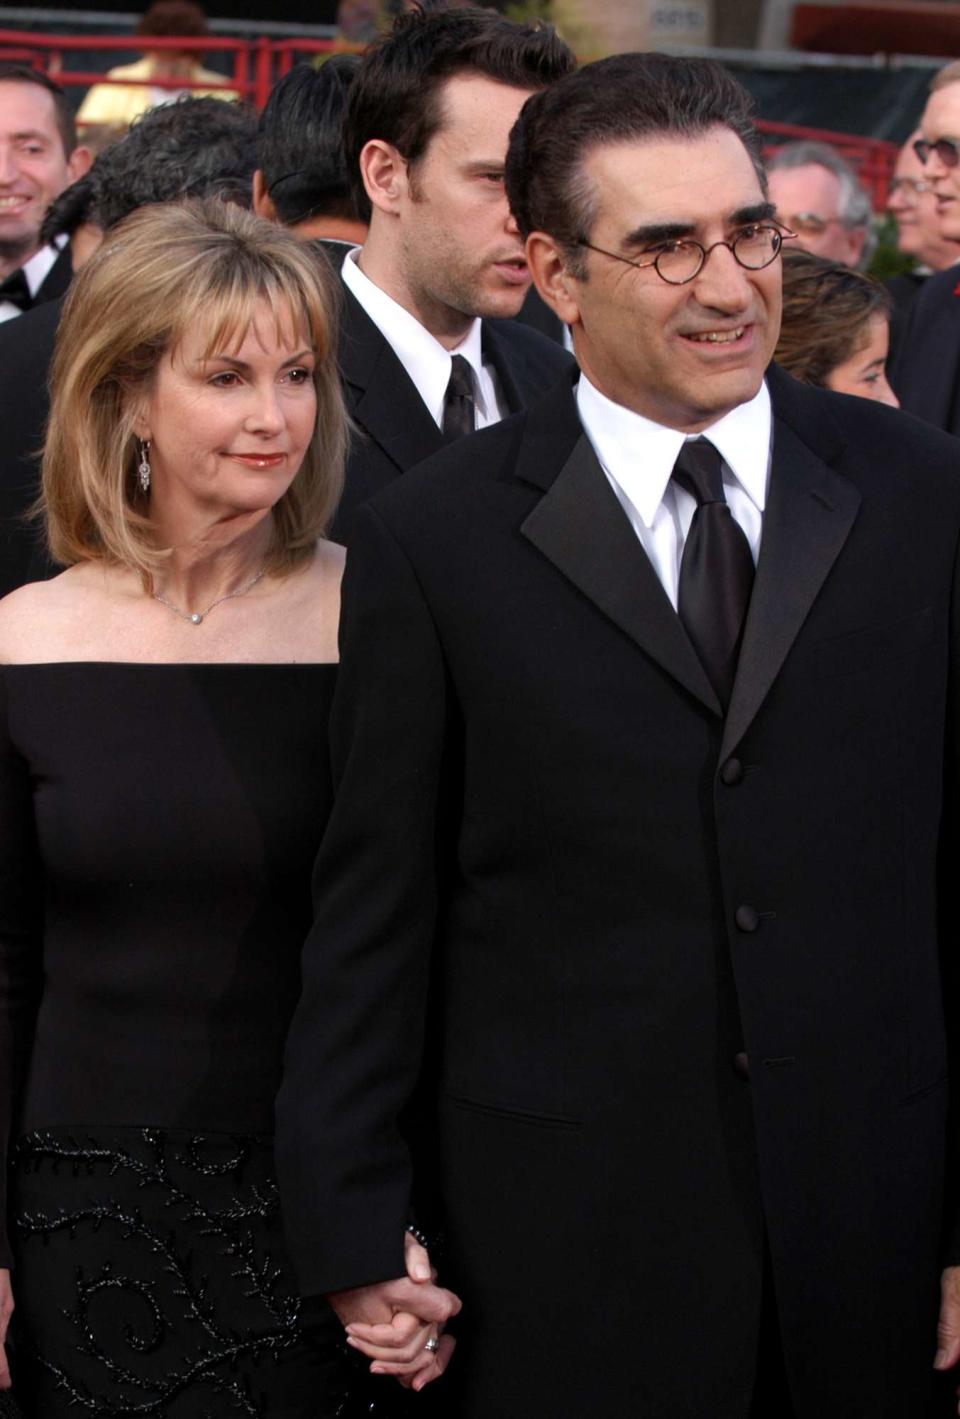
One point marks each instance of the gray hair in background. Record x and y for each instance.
(194, 147)
(855, 208)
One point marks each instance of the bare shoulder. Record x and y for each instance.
(331, 558)
(309, 630)
(39, 621)
(28, 616)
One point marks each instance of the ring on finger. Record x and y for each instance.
(433, 1344)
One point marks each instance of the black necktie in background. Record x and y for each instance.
(716, 570)
(459, 411)
(16, 290)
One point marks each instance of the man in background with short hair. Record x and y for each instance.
(428, 351)
(39, 157)
(925, 370)
(302, 178)
(818, 196)
(912, 203)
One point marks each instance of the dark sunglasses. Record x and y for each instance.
(945, 148)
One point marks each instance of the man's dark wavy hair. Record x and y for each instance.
(626, 98)
(396, 94)
(195, 147)
(300, 142)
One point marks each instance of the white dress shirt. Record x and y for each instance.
(638, 455)
(36, 271)
(426, 361)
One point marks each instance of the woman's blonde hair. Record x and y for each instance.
(164, 271)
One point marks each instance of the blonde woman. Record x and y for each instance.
(163, 788)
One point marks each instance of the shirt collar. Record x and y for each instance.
(639, 454)
(38, 268)
(426, 361)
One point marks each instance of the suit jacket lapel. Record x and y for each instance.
(383, 399)
(57, 279)
(581, 527)
(506, 375)
(810, 511)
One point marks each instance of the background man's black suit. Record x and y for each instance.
(26, 350)
(925, 369)
(556, 867)
(394, 429)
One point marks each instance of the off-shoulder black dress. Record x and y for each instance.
(158, 825)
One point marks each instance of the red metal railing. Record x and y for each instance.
(258, 64)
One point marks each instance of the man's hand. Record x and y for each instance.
(6, 1310)
(392, 1322)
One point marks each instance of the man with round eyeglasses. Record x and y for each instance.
(625, 971)
(925, 369)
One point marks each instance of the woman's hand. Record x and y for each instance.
(6, 1311)
(413, 1350)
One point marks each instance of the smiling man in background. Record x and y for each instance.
(39, 157)
(925, 370)
(428, 119)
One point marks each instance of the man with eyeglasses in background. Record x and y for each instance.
(912, 204)
(818, 195)
(626, 936)
(925, 366)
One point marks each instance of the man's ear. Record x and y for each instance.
(558, 288)
(384, 174)
(79, 163)
(263, 203)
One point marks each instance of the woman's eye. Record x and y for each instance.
(225, 379)
(299, 376)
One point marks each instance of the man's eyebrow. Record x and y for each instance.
(31, 134)
(756, 212)
(659, 231)
(485, 165)
(656, 232)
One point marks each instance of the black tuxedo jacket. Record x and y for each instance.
(563, 892)
(394, 430)
(57, 279)
(26, 349)
(925, 367)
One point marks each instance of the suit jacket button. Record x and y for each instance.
(747, 918)
(732, 772)
(741, 1065)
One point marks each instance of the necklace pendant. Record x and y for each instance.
(196, 618)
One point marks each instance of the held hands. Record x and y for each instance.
(394, 1322)
(6, 1310)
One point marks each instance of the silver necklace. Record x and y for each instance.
(195, 617)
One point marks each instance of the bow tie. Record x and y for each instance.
(16, 290)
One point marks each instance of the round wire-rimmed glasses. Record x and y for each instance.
(678, 262)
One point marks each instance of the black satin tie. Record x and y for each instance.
(14, 288)
(459, 410)
(716, 570)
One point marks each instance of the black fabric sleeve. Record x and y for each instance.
(21, 931)
(357, 1038)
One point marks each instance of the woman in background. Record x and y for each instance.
(835, 331)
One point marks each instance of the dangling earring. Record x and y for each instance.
(143, 471)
